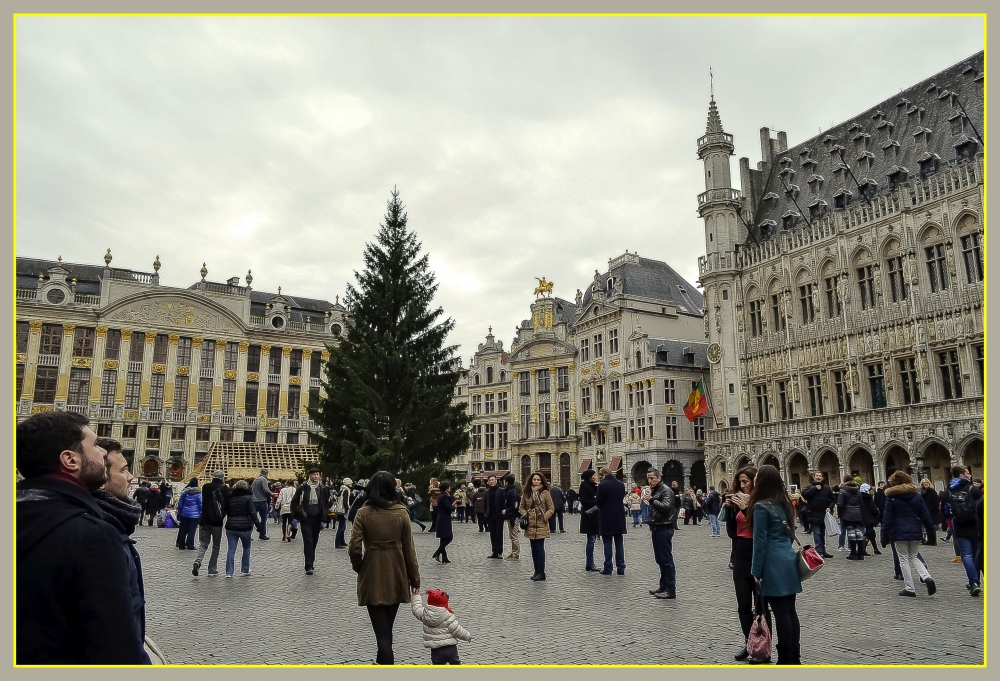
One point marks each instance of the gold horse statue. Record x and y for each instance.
(544, 287)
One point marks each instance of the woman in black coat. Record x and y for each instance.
(869, 518)
(742, 554)
(588, 521)
(933, 503)
(445, 505)
(493, 505)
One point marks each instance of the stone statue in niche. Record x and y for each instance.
(745, 396)
(854, 380)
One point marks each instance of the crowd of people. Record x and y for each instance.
(75, 495)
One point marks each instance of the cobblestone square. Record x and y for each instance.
(850, 612)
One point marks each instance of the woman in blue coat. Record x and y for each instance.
(906, 517)
(774, 565)
(445, 505)
(188, 514)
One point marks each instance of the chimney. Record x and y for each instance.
(765, 146)
(782, 141)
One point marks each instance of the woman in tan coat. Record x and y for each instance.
(433, 490)
(536, 505)
(387, 567)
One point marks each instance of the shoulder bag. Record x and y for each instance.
(759, 640)
(806, 557)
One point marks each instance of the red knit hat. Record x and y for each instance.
(439, 599)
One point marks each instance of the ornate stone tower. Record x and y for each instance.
(718, 206)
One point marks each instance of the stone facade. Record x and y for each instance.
(844, 290)
(168, 371)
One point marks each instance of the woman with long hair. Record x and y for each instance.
(444, 532)
(933, 504)
(741, 556)
(588, 519)
(774, 564)
(433, 489)
(536, 504)
(382, 553)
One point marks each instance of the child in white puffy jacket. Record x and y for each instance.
(442, 632)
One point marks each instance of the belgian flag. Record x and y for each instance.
(697, 403)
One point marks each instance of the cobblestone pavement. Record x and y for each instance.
(850, 612)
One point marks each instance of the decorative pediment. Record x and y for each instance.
(178, 310)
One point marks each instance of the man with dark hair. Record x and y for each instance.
(511, 499)
(662, 521)
(215, 498)
(311, 506)
(493, 505)
(820, 500)
(74, 606)
(961, 496)
(123, 514)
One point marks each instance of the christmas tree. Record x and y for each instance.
(389, 382)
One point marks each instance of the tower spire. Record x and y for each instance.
(714, 121)
(711, 83)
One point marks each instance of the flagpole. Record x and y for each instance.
(708, 392)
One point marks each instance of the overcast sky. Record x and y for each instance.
(522, 147)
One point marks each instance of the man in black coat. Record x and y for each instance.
(213, 516)
(493, 505)
(571, 497)
(74, 605)
(559, 503)
(820, 500)
(511, 500)
(611, 519)
(311, 506)
(588, 519)
(662, 522)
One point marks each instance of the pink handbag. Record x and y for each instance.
(759, 641)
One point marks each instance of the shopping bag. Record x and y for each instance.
(759, 640)
(832, 526)
(168, 522)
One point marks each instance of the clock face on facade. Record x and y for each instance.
(714, 353)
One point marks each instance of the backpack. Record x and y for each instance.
(963, 508)
(338, 503)
(211, 511)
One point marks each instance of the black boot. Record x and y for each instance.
(444, 556)
(534, 577)
(875, 549)
(861, 550)
(854, 551)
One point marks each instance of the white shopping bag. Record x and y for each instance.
(832, 526)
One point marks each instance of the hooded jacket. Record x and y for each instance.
(905, 515)
(189, 503)
(441, 627)
(240, 514)
(965, 529)
(72, 580)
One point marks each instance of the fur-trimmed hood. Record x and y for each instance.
(849, 486)
(896, 490)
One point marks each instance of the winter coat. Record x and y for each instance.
(136, 587)
(382, 554)
(742, 553)
(932, 503)
(511, 499)
(611, 517)
(479, 500)
(493, 501)
(713, 503)
(880, 501)
(965, 529)
(285, 500)
(662, 507)
(153, 502)
(208, 497)
(141, 495)
(445, 507)
(432, 493)
(571, 497)
(774, 559)
(849, 504)
(240, 514)
(74, 604)
(538, 518)
(300, 502)
(189, 503)
(905, 515)
(869, 511)
(818, 498)
(634, 501)
(441, 627)
(260, 489)
(588, 499)
(558, 498)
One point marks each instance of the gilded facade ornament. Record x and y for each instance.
(204, 418)
(150, 336)
(101, 331)
(544, 287)
(81, 361)
(111, 364)
(173, 338)
(68, 329)
(285, 352)
(131, 414)
(35, 327)
(325, 355)
(307, 354)
(229, 373)
(253, 376)
(183, 371)
(244, 346)
(264, 350)
(41, 408)
(22, 357)
(196, 342)
(159, 368)
(294, 380)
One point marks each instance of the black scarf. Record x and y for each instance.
(125, 511)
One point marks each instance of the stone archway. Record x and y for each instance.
(937, 463)
(673, 470)
(770, 460)
(862, 464)
(798, 471)
(719, 474)
(698, 476)
(639, 470)
(175, 470)
(829, 465)
(525, 468)
(896, 458)
(972, 457)
(741, 462)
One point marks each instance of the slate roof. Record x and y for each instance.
(899, 121)
(652, 279)
(88, 277)
(671, 352)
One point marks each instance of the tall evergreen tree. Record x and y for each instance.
(389, 382)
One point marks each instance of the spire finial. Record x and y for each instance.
(711, 83)
(490, 330)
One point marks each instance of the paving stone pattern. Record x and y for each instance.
(850, 612)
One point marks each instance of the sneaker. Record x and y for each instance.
(213, 574)
(309, 572)
(245, 574)
(841, 548)
(974, 590)
(194, 570)
(512, 558)
(956, 559)
(228, 576)
(907, 592)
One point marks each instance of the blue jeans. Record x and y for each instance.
(663, 554)
(843, 535)
(538, 555)
(413, 516)
(619, 553)
(644, 510)
(714, 519)
(261, 508)
(591, 540)
(967, 549)
(819, 536)
(636, 516)
(234, 539)
(341, 528)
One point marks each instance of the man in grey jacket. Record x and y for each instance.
(261, 499)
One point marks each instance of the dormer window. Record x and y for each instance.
(789, 219)
(904, 102)
(947, 97)
(884, 130)
(897, 175)
(610, 285)
(840, 170)
(957, 122)
(968, 69)
(932, 87)
(861, 141)
(805, 151)
(869, 187)
(928, 164)
(809, 165)
(793, 190)
(854, 126)
(771, 196)
(878, 115)
(965, 148)
(785, 162)
(835, 150)
(828, 140)
(815, 182)
(866, 160)
(890, 149)
(842, 199)
(916, 113)
(817, 209)
(767, 228)
(921, 136)
(787, 173)
(979, 78)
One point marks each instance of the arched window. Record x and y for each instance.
(972, 253)
(475, 379)
(638, 359)
(525, 468)
(489, 374)
(565, 479)
(503, 375)
(934, 256)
